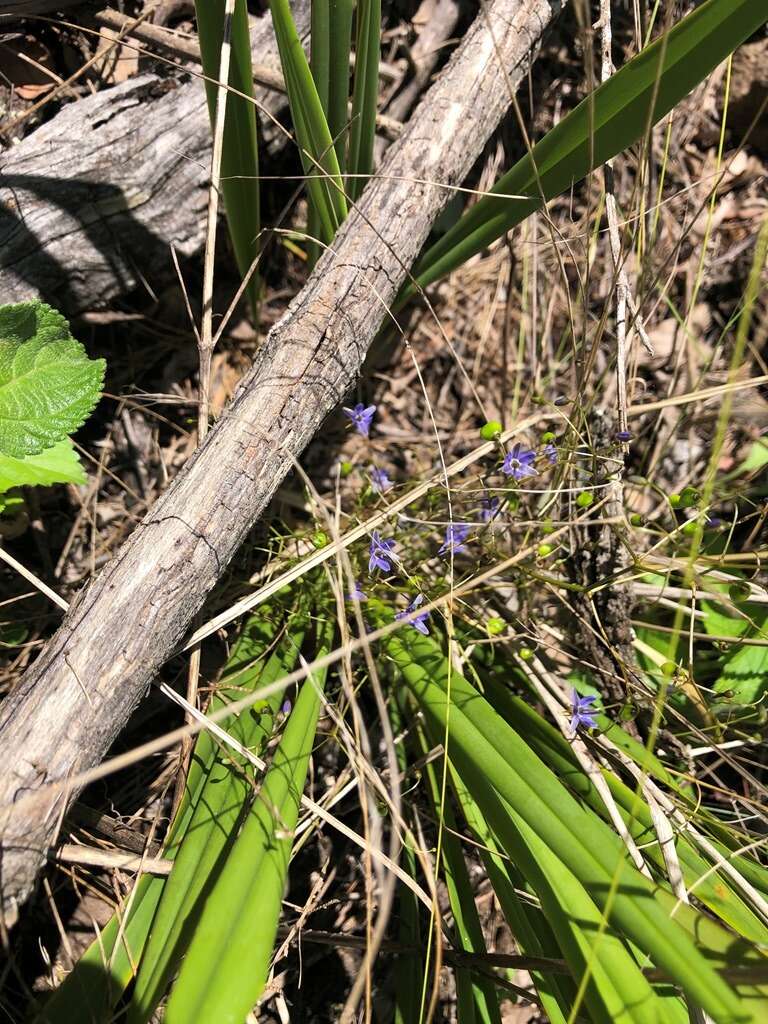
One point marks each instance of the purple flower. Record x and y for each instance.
(286, 708)
(380, 481)
(356, 593)
(625, 436)
(455, 535)
(551, 453)
(419, 622)
(488, 508)
(361, 417)
(519, 464)
(582, 712)
(380, 553)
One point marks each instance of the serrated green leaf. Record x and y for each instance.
(56, 465)
(48, 385)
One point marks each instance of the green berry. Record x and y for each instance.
(548, 438)
(585, 499)
(320, 539)
(544, 550)
(495, 626)
(526, 653)
(669, 669)
(345, 468)
(490, 430)
(628, 712)
(547, 526)
(636, 519)
(689, 498)
(674, 500)
(690, 527)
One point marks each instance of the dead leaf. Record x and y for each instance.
(120, 61)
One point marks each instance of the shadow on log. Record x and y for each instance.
(92, 201)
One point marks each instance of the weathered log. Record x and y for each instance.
(71, 704)
(92, 201)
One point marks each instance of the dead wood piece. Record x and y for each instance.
(92, 201)
(438, 20)
(70, 706)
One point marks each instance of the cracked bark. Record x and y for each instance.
(92, 201)
(71, 704)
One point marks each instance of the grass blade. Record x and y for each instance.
(608, 121)
(365, 94)
(529, 927)
(409, 968)
(104, 971)
(338, 76)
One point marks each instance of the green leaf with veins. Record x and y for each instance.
(58, 464)
(48, 385)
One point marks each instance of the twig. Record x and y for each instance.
(31, 578)
(623, 290)
(205, 340)
(73, 853)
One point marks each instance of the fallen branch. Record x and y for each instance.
(91, 202)
(70, 706)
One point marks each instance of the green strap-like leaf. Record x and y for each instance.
(364, 96)
(101, 975)
(608, 121)
(48, 385)
(318, 155)
(214, 824)
(586, 845)
(227, 961)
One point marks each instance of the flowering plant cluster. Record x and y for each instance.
(518, 464)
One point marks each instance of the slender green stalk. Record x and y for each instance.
(239, 162)
(324, 183)
(319, 59)
(365, 93)
(320, 51)
(338, 76)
